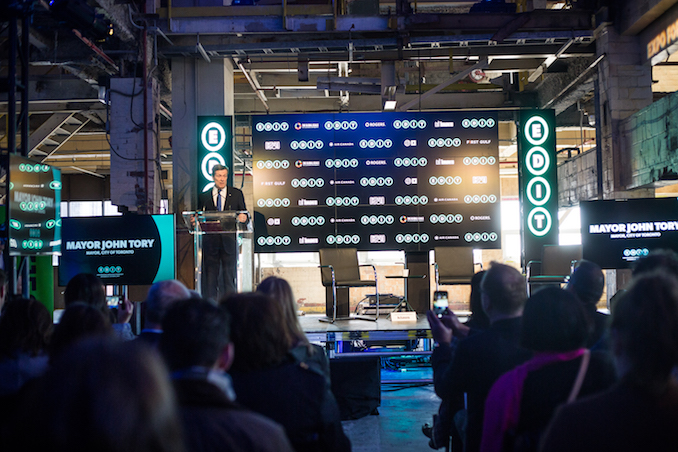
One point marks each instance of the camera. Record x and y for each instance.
(440, 303)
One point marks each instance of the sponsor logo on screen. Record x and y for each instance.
(377, 238)
(443, 124)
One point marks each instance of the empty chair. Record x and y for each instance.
(556, 262)
(453, 265)
(340, 270)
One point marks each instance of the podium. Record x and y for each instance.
(222, 233)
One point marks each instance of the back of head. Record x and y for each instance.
(479, 316)
(554, 320)
(587, 282)
(645, 319)
(25, 326)
(281, 291)
(660, 259)
(4, 281)
(87, 288)
(505, 289)
(160, 296)
(105, 395)
(195, 331)
(78, 321)
(259, 337)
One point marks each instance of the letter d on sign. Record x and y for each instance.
(538, 161)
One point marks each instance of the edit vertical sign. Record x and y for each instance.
(215, 147)
(538, 182)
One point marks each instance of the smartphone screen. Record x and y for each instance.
(113, 301)
(440, 302)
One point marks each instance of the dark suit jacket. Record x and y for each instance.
(477, 363)
(234, 200)
(213, 245)
(213, 423)
(299, 398)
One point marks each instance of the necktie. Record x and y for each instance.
(219, 200)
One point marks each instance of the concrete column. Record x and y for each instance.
(129, 166)
(625, 87)
(198, 89)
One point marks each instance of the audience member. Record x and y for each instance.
(4, 285)
(481, 358)
(161, 296)
(641, 411)
(665, 259)
(25, 330)
(86, 288)
(523, 400)
(79, 321)
(478, 319)
(89, 289)
(268, 379)
(302, 350)
(587, 282)
(443, 426)
(196, 345)
(101, 395)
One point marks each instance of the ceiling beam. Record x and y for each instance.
(579, 85)
(482, 64)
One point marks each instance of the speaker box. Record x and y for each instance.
(356, 384)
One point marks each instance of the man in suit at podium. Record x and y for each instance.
(220, 250)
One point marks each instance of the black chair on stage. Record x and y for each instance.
(557, 263)
(340, 269)
(453, 265)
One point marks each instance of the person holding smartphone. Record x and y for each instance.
(472, 365)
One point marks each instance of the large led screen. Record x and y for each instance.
(124, 250)
(34, 207)
(384, 181)
(617, 233)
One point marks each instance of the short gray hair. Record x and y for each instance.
(161, 295)
(218, 167)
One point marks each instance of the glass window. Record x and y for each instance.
(570, 226)
(510, 230)
(111, 210)
(85, 209)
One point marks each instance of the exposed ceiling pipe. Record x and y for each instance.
(482, 64)
(254, 84)
(549, 61)
(91, 173)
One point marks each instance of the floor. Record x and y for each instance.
(404, 409)
(407, 396)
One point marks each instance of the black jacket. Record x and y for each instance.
(298, 397)
(477, 363)
(234, 200)
(212, 423)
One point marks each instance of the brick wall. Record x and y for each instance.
(577, 179)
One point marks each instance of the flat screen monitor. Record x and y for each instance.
(616, 233)
(376, 181)
(125, 250)
(34, 208)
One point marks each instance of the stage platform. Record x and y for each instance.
(365, 330)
